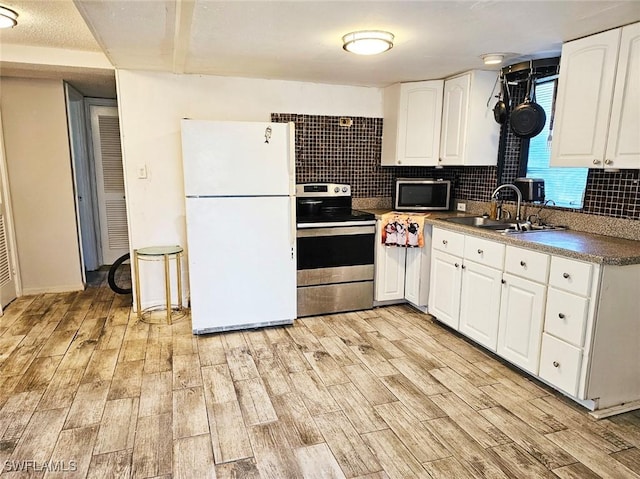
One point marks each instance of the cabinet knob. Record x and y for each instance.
(444, 241)
(456, 265)
(523, 264)
(596, 162)
(608, 162)
(480, 251)
(464, 267)
(503, 281)
(561, 315)
(566, 275)
(556, 364)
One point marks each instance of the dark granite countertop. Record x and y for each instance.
(574, 244)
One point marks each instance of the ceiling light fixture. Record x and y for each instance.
(492, 58)
(368, 42)
(8, 18)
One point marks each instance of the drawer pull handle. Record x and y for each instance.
(561, 316)
(480, 251)
(444, 241)
(523, 264)
(566, 275)
(556, 364)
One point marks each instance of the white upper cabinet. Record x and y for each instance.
(470, 134)
(623, 141)
(597, 115)
(411, 131)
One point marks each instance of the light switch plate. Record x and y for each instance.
(142, 172)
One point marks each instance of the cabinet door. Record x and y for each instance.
(419, 123)
(444, 293)
(389, 276)
(454, 120)
(480, 303)
(521, 319)
(583, 105)
(560, 364)
(623, 146)
(415, 278)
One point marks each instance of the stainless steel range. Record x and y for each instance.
(335, 251)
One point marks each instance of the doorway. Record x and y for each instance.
(94, 135)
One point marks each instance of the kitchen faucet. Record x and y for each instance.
(518, 194)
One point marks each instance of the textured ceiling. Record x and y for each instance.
(55, 24)
(301, 40)
(48, 23)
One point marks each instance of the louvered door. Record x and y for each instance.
(107, 152)
(7, 274)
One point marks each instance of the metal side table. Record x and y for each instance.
(157, 253)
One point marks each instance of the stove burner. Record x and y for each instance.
(334, 204)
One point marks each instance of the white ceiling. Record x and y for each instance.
(301, 40)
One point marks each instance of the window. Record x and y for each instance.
(565, 186)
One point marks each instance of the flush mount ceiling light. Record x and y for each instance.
(492, 58)
(8, 18)
(368, 42)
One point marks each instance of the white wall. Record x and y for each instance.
(151, 106)
(39, 169)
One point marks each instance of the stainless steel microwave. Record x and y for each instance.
(421, 194)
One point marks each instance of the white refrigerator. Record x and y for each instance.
(239, 182)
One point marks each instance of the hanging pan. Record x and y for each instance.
(500, 110)
(528, 118)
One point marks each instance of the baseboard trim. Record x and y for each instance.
(69, 288)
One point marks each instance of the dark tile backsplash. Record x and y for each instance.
(329, 152)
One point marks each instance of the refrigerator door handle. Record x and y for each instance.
(292, 159)
(292, 224)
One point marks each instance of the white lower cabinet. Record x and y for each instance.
(444, 295)
(560, 364)
(480, 303)
(521, 318)
(402, 273)
(572, 323)
(389, 272)
(465, 287)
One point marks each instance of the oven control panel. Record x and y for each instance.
(322, 189)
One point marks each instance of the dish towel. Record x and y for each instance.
(403, 229)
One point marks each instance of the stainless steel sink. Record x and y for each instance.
(501, 226)
(478, 221)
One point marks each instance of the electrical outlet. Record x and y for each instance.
(460, 206)
(142, 172)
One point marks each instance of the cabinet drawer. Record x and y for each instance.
(570, 275)
(566, 316)
(527, 264)
(448, 241)
(486, 252)
(560, 364)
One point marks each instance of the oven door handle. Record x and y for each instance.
(337, 231)
(336, 224)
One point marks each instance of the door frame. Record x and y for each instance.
(84, 177)
(8, 212)
(82, 184)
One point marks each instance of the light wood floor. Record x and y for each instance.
(385, 393)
